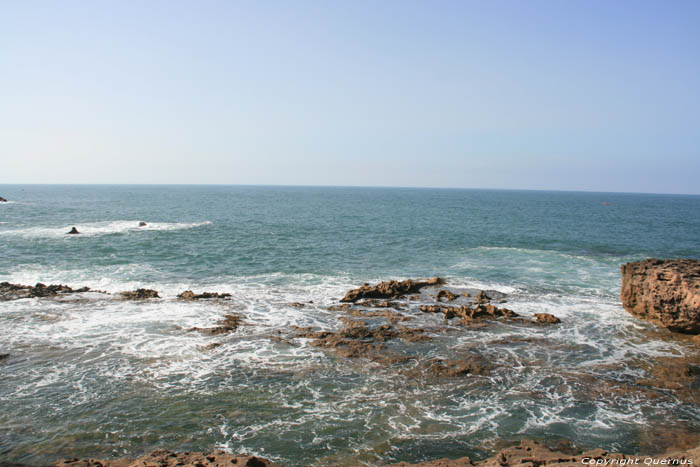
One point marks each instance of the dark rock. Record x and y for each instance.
(229, 324)
(142, 224)
(73, 231)
(4, 356)
(482, 298)
(666, 292)
(17, 291)
(469, 314)
(2, 200)
(446, 294)
(140, 294)
(189, 295)
(390, 289)
(546, 318)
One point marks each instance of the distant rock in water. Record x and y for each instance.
(140, 294)
(666, 292)
(142, 224)
(17, 291)
(73, 231)
(2, 200)
(390, 289)
(189, 295)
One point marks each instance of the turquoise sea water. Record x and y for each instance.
(92, 375)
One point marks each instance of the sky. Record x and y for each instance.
(562, 95)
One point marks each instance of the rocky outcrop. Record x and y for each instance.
(446, 294)
(666, 292)
(2, 200)
(532, 453)
(469, 314)
(140, 294)
(390, 289)
(546, 318)
(189, 295)
(73, 231)
(163, 458)
(17, 291)
(527, 453)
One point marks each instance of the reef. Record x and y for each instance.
(18, 291)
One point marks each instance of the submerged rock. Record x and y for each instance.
(140, 294)
(17, 291)
(229, 324)
(666, 292)
(390, 289)
(189, 295)
(73, 231)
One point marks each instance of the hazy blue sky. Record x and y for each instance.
(591, 95)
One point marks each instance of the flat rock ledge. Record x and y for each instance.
(666, 292)
(528, 453)
(18, 291)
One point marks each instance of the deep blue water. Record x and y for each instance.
(105, 377)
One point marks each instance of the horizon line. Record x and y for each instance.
(356, 186)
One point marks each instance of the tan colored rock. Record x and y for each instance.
(390, 289)
(163, 458)
(531, 453)
(546, 318)
(666, 292)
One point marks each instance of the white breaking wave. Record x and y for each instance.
(92, 229)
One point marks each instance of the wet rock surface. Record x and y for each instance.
(531, 453)
(189, 295)
(546, 318)
(163, 458)
(225, 326)
(18, 291)
(666, 292)
(390, 289)
(139, 294)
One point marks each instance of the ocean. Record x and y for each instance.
(92, 375)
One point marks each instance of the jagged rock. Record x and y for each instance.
(73, 231)
(546, 318)
(163, 458)
(390, 289)
(189, 295)
(469, 314)
(666, 292)
(229, 324)
(17, 291)
(140, 294)
(482, 298)
(446, 294)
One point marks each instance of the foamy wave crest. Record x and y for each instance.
(93, 229)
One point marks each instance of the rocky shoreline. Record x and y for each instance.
(527, 453)
(375, 317)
